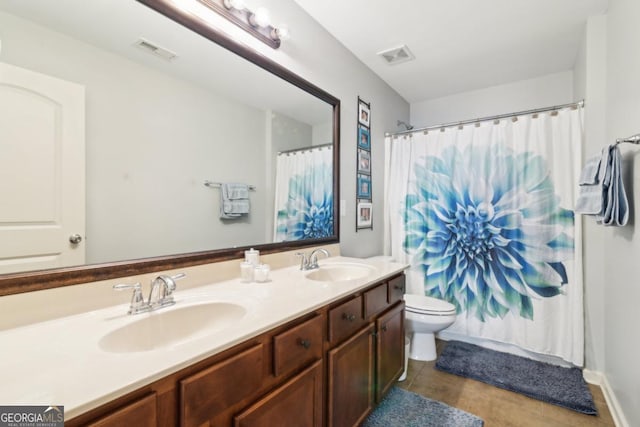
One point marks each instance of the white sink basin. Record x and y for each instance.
(340, 272)
(160, 329)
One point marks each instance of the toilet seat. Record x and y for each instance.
(421, 304)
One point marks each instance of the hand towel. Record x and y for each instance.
(591, 198)
(601, 190)
(234, 200)
(235, 191)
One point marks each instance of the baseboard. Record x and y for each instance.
(599, 379)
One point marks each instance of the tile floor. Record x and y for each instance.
(497, 407)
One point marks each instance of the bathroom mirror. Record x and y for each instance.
(170, 103)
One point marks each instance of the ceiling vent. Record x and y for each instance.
(156, 50)
(396, 55)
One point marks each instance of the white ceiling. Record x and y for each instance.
(459, 45)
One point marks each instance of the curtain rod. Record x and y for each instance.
(484, 119)
(311, 147)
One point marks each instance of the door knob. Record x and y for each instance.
(75, 239)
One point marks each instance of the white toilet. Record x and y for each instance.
(424, 317)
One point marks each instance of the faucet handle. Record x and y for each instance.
(176, 277)
(126, 286)
(137, 300)
(304, 261)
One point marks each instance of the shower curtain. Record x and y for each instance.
(304, 194)
(483, 214)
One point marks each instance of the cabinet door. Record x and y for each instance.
(350, 369)
(140, 413)
(298, 403)
(389, 349)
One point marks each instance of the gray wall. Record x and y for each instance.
(621, 247)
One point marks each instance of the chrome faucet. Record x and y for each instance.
(311, 262)
(160, 295)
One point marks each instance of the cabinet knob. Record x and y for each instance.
(398, 287)
(350, 317)
(384, 328)
(304, 343)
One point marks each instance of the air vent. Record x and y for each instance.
(396, 55)
(156, 50)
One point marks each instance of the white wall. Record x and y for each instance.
(590, 84)
(545, 91)
(138, 123)
(621, 247)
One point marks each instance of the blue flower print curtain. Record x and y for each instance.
(484, 216)
(304, 195)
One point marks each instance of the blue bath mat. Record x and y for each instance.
(550, 383)
(403, 408)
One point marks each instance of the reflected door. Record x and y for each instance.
(42, 171)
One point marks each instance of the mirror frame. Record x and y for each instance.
(15, 283)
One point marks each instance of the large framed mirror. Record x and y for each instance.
(166, 109)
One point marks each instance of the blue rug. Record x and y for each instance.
(550, 383)
(401, 408)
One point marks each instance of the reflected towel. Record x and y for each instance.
(234, 200)
(601, 192)
(235, 191)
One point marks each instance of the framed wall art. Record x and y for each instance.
(364, 200)
(364, 215)
(364, 162)
(364, 187)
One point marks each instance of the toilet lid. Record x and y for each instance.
(427, 305)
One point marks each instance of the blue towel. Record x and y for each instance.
(234, 200)
(601, 192)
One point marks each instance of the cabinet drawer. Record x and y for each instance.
(345, 319)
(396, 289)
(375, 300)
(298, 346)
(141, 413)
(298, 402)
(210, 392)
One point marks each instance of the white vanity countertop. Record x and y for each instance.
(60, 362)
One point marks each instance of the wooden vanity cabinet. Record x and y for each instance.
(328, 367)
(362, 369)
(215, 395)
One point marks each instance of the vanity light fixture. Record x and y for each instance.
(257, 23)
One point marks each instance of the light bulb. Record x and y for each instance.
(234, 4)
(260, 17)
(281, 33)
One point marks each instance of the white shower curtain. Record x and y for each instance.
(484, 215)
(304, 194)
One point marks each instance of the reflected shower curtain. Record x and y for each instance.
(304, 194)
(484, 215)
